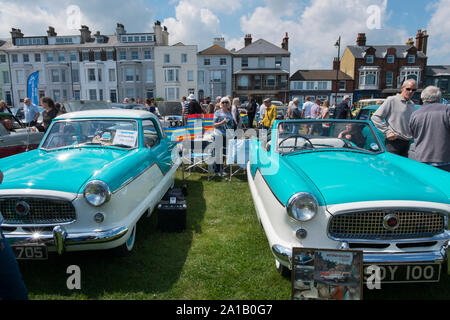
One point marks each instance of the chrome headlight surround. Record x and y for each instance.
(96, 193)
(302, 206)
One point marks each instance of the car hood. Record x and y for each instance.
(344, 177)
(64, 170)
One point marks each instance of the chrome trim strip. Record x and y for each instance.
(130, 180)
(439, 237)
(61, 239)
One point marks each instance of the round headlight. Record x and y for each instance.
(96, 193)
(302, 206)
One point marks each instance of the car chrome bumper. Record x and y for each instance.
(61, 239)
(284, 254)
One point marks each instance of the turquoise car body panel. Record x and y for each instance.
(69, 169)
(343, 176)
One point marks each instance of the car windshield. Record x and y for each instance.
(297, 136)
(92, 132)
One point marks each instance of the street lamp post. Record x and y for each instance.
(338, 45)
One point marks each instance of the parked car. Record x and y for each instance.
(365, 103)
(82, 105)
(19, 140)
(331, 184)
(94, 175)
(335, 276)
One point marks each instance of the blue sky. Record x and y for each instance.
(313, 25)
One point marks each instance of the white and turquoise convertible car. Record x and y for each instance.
(91, 179)
(330, 184)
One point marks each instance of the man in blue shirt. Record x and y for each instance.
(31, 112)
(11, 284)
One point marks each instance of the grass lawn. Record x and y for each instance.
(223, 254)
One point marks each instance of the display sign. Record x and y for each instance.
(323, 274)
(125, 137)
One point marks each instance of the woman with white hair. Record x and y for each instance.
(223, 121)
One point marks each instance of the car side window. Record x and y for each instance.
(151, 136)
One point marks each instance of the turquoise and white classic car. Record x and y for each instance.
(330, 184)
(91, 179)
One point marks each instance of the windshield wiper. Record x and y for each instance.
(120, 146)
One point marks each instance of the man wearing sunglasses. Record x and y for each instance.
(392, 118)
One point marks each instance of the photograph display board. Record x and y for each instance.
(319, 274)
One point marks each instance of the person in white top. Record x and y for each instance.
(306, 111)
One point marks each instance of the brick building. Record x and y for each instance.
(379, 70)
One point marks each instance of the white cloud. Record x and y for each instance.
(225, 7)
(192, 25)
(439, 29)
(314, 31)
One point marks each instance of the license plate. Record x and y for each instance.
(31, 252)
(393, 273)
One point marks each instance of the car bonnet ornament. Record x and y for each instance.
(390, 222)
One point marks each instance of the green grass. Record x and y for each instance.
(223, 254)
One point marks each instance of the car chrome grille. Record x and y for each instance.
(41, 211)
(369, 225)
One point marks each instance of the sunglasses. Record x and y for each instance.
(225, 102)
(411, 89)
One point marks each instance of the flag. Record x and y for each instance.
(32, 88)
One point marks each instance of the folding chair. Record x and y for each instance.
(195, 152)
(237, 154)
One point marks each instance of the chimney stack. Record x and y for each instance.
(120, 30)
(410, 42)
(361, 40)
(157, 30)
(419, 40)
(16, 33)
(425, 42)
(336, 63)
(285, 42)
(51, 32)
(85, 34)
(248, 39)
(165, 36)
(219, 41)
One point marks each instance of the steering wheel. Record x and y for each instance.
(296, 136)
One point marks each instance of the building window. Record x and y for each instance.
(113, 95)
(77, 95)
(309, 85)
(278, 62)
(149, 94)
(244, 62)
(91, 74)
(129, 74)
(411, 58)
(97, 56)
(56, 95)
(172, 93)
(122, 55)
(216, 76)
(183, 58)
(342, 85)
(322, 85)
(85, 56)
(92, 94)
(37, 57)
(171, 75)
(55, 75)
(243, 82)
(368, 78)
(270, 81)
(369, 59)
(112, 75)
(297, 85)
(134, 55)
(2, 58)
(14, 58)
(20, 76)
(100, 94)
(61, 57)
(257, 82)
(201, 77)
(283, 82)
(73, 56)
(223, 61)
(167, 58)
(5, 76)
(207, 62)
(147, 55)
(75, 75)
(390, 58)
(149, 75)
(109, 55)
(389, 79)
(261, 62)
(26, 57)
